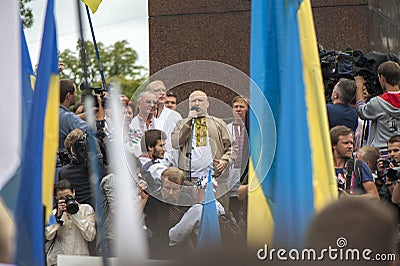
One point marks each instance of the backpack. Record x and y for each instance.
(353, 177)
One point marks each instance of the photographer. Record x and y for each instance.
(389, 168)
(77, 172)
(69, 120)
(353, 176)
(383, 110)
(75, 226)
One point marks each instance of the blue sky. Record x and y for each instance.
(115, 20)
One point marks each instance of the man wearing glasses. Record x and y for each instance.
(166, 119)
(143, 121)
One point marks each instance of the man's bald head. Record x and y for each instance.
(199, 100)
(197, 94)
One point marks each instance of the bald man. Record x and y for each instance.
(211, 142)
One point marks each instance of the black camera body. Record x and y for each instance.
(393, 174)
(72, 206)
(386, 162)
(64, 156)
(80, 150)
(92, 92)
(348, 64)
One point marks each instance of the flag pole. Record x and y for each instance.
(103, 80)
(93, 160)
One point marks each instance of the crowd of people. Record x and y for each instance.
(172, 157)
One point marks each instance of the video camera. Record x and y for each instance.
(93, 92)
(348, 64)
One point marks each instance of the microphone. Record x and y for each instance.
(195, 108)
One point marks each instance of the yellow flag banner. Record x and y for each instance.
(92, 4)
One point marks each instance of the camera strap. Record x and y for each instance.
(349, 174)
(357, 177)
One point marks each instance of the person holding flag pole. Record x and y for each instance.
(201, 219)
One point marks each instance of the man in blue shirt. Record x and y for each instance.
(69, 120)
(340, 112)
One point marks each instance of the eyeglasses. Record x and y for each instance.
(149, 102)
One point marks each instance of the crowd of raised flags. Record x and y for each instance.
(286, 187)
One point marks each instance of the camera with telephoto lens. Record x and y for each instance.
(72, 206)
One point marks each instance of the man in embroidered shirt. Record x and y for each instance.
(383, 110)
(143, 121)
(211, 142)
(238, 170)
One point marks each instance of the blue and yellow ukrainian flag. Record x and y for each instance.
(35, 198)
(8, 191)
(285, 67)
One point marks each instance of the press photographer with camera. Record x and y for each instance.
(383, 111)
(353, 176)
(75, 226)
(68, 120)
(77, 171)
(389, 168)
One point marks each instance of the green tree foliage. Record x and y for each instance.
(26, 13)
(118, 62)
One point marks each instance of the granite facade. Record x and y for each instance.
(219, 30)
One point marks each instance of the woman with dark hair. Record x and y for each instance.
(75, 226)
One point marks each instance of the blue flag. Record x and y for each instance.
(8, 192)
(209, 235)
(35, 197)
(284, 64)
(28, 80)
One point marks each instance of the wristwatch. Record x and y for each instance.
(59, 221)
